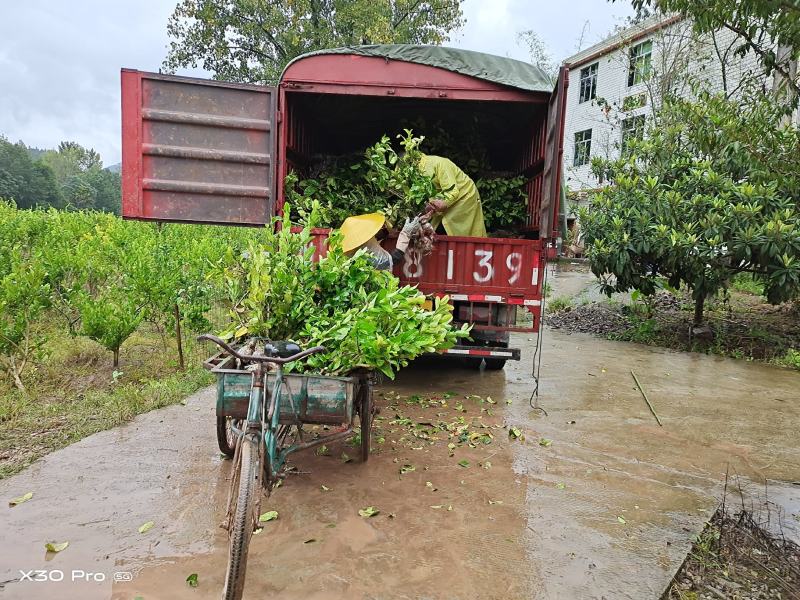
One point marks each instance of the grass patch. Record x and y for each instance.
(76, 392)
(560, 303)
(736, 557)
(745, 284)
(790, 359)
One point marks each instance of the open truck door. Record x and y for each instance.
(553, 159)
(197, 151)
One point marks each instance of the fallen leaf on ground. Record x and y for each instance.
(495, 501)
(21, 499)
(56, 546)
(346, 457)
(560, 486)
(407, 469)
(330, 525)
(310, 541)
(545, 442)
(621, 520)
(436, 506)
(321, 451)
(487, 464)
(144, 528)
(192, 580)
(270, 515)
(464, 463)
(258, 530)
(369, 511)
(515, 433)
(184, 401)
(325, 488)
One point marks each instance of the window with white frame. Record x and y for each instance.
(632, 129)
(588, 87)
(583, 148)
(640, 59)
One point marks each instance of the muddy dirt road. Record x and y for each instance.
(606, 509)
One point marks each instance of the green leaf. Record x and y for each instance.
(192, 580)
(561, 486)
(369, 511)
(21, 499)
(515, 433)
(545, 442)
(464, 463)
(145, 527)
(270, 515)
(56, 546)
(621, 520)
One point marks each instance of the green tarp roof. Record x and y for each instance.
(497, 69)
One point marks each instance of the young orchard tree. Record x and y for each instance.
(24, 295)
(253, 40)
(712, 191)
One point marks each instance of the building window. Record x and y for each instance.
(632, 129)
(588, 83)
(639, 66)
(583, 148)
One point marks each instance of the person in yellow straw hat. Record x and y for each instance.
(361, 231)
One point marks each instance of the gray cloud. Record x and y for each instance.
(60, 61)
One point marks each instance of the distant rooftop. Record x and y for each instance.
(621, 39)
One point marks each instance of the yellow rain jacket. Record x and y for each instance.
(463, 215)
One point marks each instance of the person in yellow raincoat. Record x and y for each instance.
(458, 207)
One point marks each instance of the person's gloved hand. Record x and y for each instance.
(436, 205)
(405, 234)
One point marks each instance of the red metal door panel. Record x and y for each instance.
(196, 150)
(554, 150)
(465, 265)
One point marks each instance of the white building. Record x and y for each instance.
(614, 85)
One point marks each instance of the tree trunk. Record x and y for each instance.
(15, 374)
(698, 310)
(178, 336)
(116, 357)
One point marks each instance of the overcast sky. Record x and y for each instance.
(60, 61)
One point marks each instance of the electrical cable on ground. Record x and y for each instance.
(536, 367)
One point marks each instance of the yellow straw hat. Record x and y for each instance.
(358, 230)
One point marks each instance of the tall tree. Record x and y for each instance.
(539, 53)
(26, 182)
(253, 40)
(769, 28)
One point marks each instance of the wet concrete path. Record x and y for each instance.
(606, 510)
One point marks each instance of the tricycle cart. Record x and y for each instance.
(260, 416)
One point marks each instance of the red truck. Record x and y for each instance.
(215, 152)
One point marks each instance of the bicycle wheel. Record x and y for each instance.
(226, 438)
(243, 520)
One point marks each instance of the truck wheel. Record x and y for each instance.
(495, 364)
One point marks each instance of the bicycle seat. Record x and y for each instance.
(281, 349)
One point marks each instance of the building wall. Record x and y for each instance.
(676, 50)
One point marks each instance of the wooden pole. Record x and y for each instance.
(650, 406)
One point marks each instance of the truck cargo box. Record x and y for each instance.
(215, 152)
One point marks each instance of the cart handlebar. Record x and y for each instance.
(259, 358)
